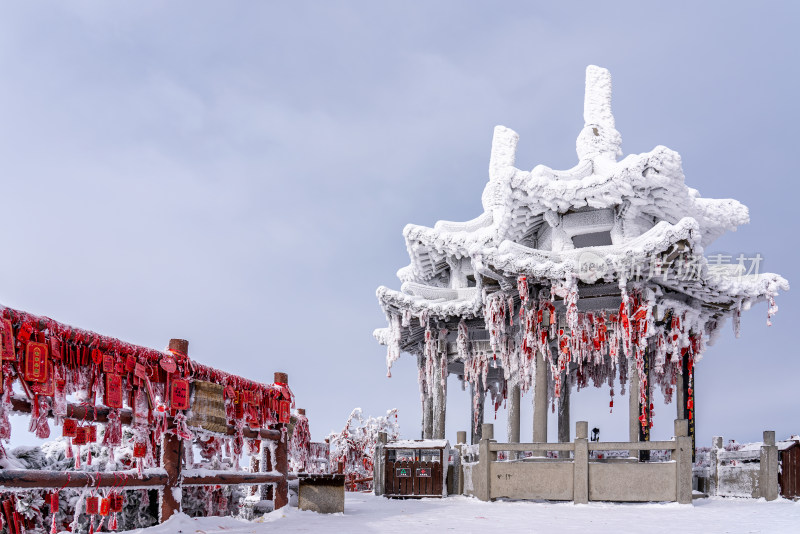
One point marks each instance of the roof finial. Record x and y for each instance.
(598, 137)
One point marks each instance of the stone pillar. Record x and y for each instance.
(540, 402)
(461, 440)
(580, 482)
(713, 479)
(768, 470)
(379, 465)
(633, 402)
(476, 419)
(513, 414)
(483, 488)
(563, 414)
(683, 462)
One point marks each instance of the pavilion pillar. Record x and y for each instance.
(513, 414)
(563, 413)
(540, 401)
(633, 401)
(439, 400)
(427, 416)
(476, 412)
(680, 395)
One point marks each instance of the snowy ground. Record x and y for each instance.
(366, 513)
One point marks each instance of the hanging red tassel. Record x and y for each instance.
(112, 524)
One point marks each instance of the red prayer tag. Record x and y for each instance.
(113, 393)
(284, 412)
(108, 363)
(168, 364)
(119, 367)
(54, 502)
(36, 362)
(69, 429)
(48, 387)
(7, 334)
(55, 348)
(104, 506)
(179, 394)
(80, 436)
(116, 503)
(91, 505)
(91, 433)
(139, 450)
(97, 356)
(139, 371)
(130, 363)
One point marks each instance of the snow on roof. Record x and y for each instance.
(418, 444)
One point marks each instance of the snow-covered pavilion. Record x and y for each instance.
(591, 274)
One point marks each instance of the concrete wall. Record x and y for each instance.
(632, 482)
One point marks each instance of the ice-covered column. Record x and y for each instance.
(427, 417)
(599, 137)
(476, 412)
(513, 413)
(633, 402)
(439, 400)
(540, 402)
(563, 415)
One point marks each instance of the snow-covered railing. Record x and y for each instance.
(578, 478)
(749, 471)
(75, 378)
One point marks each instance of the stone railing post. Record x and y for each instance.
(281, 460)
(581, 463)
(683, 462)
(461, 442)
(768, 471)
(379, 465)
(483, 481)
(713, 457)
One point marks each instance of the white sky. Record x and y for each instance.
(239, 173)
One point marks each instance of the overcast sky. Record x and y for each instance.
(239, 173)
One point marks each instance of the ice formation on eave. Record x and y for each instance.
(531, 217)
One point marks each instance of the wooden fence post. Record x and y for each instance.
(171, 455)
(282, 457)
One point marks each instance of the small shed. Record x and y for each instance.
(789, 471)
(416, 468)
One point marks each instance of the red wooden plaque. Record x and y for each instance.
(113, 393)
(48, 387)
(105, 506)
(168, 364)
(70, 428)
(130, 363)
(36, 362)
(108, 363)
(139, 450)
(80, 436)
(7, 334)
(284, 411)
(91, 433)
(179, 394)
(55, 348)
(116, 503)
(91, 505)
